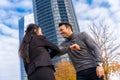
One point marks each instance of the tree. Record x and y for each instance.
(65, 71)
(115, 66)
(103, 36)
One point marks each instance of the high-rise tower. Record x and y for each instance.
(49, 13)
(23, 22)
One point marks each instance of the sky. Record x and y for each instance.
(87, 11)
(10, 12)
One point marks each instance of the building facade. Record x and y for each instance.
(49, 13)
(23, 22)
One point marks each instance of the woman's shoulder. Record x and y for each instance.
(38, 40)
(39, 37)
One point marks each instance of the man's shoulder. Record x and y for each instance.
(64, 43)
(81, 34)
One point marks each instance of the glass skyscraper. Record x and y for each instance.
(49, 13)
(23, 22)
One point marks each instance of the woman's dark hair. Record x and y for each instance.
(24, 46)
(67, 25)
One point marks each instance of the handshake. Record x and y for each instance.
(75, 47)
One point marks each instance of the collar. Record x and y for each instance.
(72, 36)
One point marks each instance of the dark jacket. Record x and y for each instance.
(40, 52)
(89, 54)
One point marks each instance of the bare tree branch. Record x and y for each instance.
(104, 38)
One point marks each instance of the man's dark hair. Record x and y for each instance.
(67, 25)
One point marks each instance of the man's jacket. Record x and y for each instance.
(89, 54)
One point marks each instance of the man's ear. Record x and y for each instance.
(69, 28)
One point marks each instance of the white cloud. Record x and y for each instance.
(95, 12)
(25, 4)
(96, 3)
(13, 21)
(9, 69)
(109, 15)
(116, 16)
(9, 41)
(9, 59)
(12, 11)
(4, 14)
(8, 31)
(5, 4)
(80, 7)
(115, 4)
(84, 25)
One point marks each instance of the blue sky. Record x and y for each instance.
(107, 11)
(10, 12)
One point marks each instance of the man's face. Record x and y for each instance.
(64, 31)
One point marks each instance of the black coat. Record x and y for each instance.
(40, 52)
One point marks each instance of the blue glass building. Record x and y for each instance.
(23, 22)
(49, 13)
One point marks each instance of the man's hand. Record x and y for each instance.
(75, 47)
(100, 71)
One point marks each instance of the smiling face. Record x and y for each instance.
(65, 31)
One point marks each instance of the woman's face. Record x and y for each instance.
(39, 31)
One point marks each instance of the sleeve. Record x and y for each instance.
(63, 49)
(93, 46)
(54, 50)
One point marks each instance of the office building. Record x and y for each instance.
(49, 13)
(23, 22)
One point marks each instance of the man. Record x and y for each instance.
(83, 52)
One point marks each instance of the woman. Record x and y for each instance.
(36, 52)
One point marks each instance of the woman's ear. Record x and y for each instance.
(35, 30)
